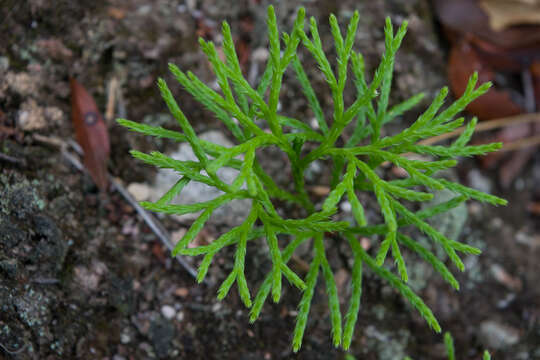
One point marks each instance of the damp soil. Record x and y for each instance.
(82, 276)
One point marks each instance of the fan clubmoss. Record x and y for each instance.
(356, 162)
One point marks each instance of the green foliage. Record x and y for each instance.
(356, 169)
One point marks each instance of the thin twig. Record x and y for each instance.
(521, 144)
(528, 90)
(111, 100)
(303, 265)
(486, 125)
(153, 223)
(495, 124)
(13, 352)
(45, 281)
(11, 159)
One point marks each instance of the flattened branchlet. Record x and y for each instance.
(356, 159)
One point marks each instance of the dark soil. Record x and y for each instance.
(82, 276)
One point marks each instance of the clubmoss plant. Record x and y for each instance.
(356, 163)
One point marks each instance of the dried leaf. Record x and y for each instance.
(466, 18)
(494, 104)
(91, 133)
(505, 13)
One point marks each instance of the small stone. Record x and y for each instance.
(161, 334)
(4, 63)
(314, 123)
(54, 115)
(139, 191)
(523, 238)
(313, 171)
(474, 208)
(191, 4)
(22, 83)
(180, 316)
(31, 116)
(125, 338)
(182, 292)
(216, 307)
(260, 54)
(499, 336)
(144, 10)
(232, 213)
(177, 235)
(503, 277)
(479, 181)
(346, 207)
(9, 267)
(341, 278)
(365, 243)
(168, 312)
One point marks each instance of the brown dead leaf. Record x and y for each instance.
(463, 62)
(505, 13)
(534, 208)
(159, 252)
(91, 133)
(466, 17)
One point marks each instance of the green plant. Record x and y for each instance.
(354, 169)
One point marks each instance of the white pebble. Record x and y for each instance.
(140, 192)
(168, 312)
(180, 316)
(346, 207)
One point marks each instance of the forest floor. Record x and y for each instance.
(82, 276)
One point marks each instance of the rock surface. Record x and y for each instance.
(232, 213)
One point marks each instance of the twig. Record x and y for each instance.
(12, 159)
(51, 141)
(45, 281)
(13, 352)
(486, 125)
(304, 266)
(494, 124)
(111, 99)
(528, 90)
(153, 224)
(5, 130)
(521, 144)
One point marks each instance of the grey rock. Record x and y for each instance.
(449, 223)
(478, 181)
(10, 234)
(232, 213)
(498, 336)
(4, 63)
(161, 334)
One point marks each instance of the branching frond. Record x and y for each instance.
(239, 105)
